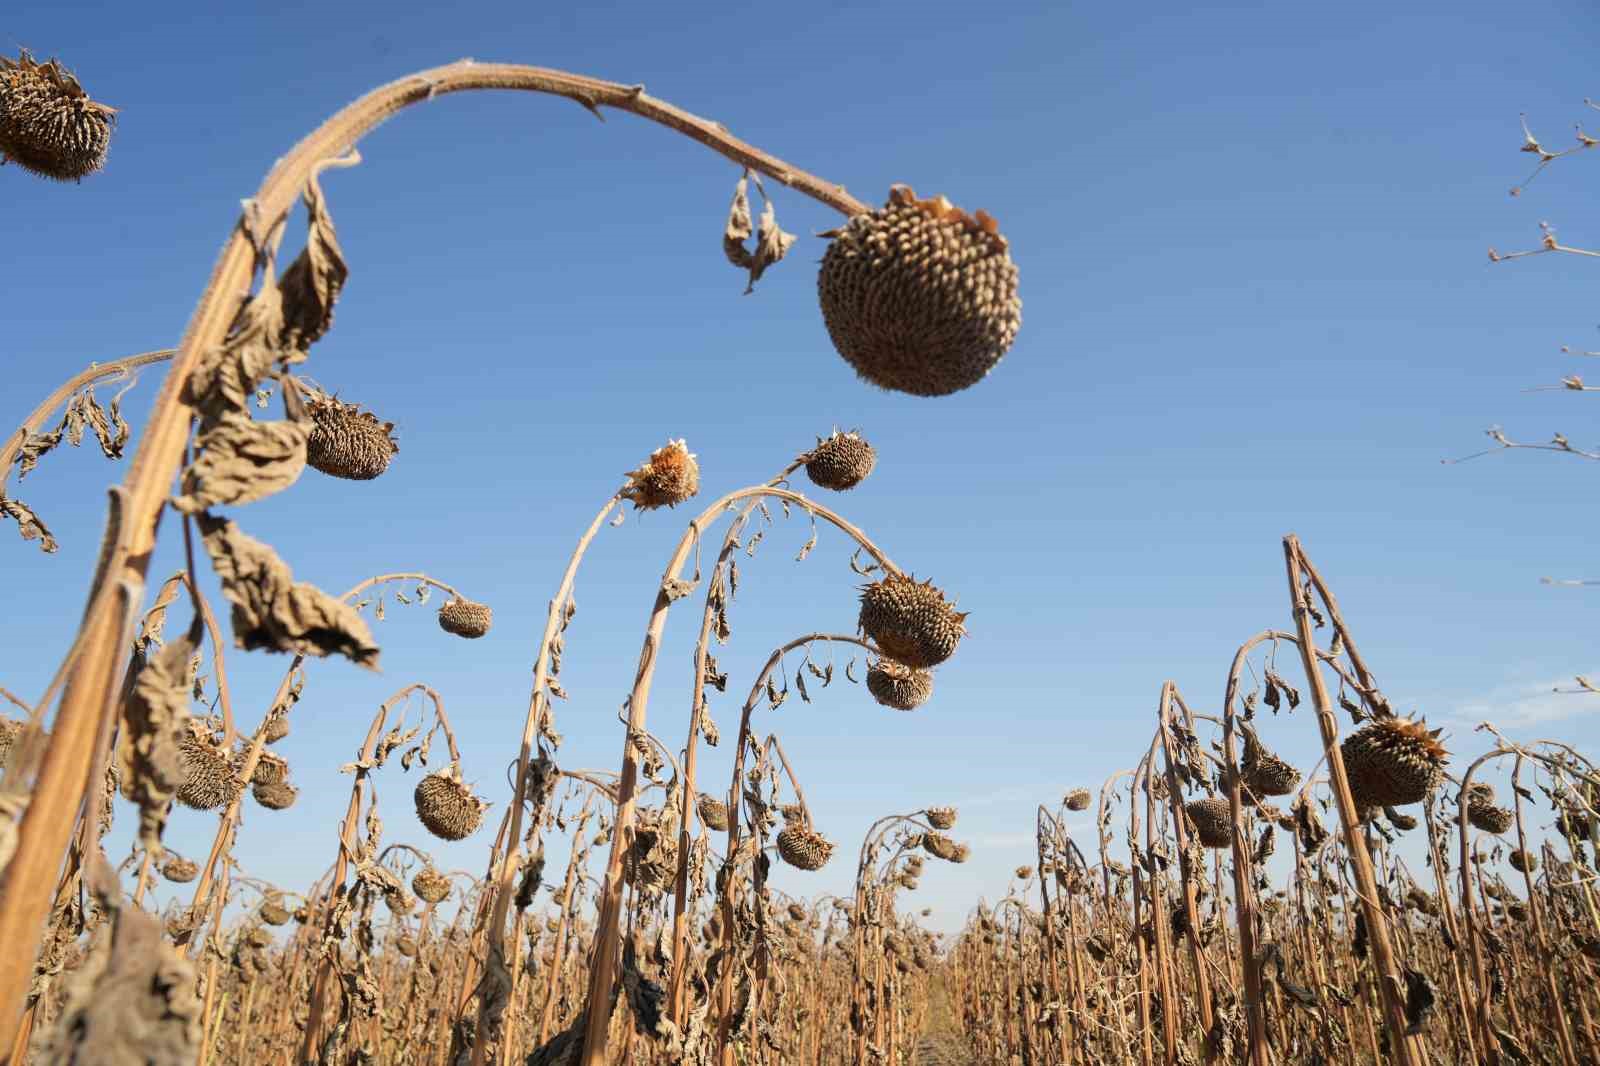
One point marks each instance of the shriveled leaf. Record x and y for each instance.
(738, 228)
(242, 460)
(676, 588)
(155, 721)
(30, 525)
(772, 244)
(36, 446)
(228, 375)
(133, 1003)
(273, 611)
(312, 283)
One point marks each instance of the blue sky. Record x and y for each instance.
(1256, 299)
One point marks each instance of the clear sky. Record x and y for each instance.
(1256, 299)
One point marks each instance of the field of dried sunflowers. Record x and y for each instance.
(1396, 902)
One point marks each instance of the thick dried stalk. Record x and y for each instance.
(1408, 1049)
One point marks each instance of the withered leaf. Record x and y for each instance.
(228, 375)
(312, 283)
(676, 588)
(800, 683)
(133, 1003)
(36, 446)
(1420, 997)
(242, 460)
(273, 611)
(29, 524)
(155, 721)
(738, 227)
(772, 244)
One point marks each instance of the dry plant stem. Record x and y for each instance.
(1202, 979)
(1171, 1006)
(725, 992)
(1569, 1055)
(580, 852)
(36, 420)
(505, 875)
(677, 1008)
(131, 533)
(1243, 876)
(604, 963)
(1408, 1050)
(349, 834)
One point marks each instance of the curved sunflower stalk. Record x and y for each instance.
(30, 442)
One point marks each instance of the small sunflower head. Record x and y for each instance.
(48, 124)
(669, 477)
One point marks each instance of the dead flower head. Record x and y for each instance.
(669, 477)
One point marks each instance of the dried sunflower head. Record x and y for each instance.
(918, 296)
(446, 807)
(1264, 771)
(277, 728)
(1023, 873)
(941, 847)
(1483, 813)
(1522, 861)
(1212, 820)
(210, 780)
(430, 885)
(179, 871)
(841, 461)
(273, 912)
(10, 729)
(897, 686)
(48, 124)
(910, 621)
(669, 477)
(1392, 762)
(713, 812)
(941, 817)
(406, 946)
(277, 796)
(270, 770)
(347, 442)
(803, 848)
(1076, 800)
(465, 618)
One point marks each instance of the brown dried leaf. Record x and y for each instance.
(228, 375)
(155, 721)
(242, 460)
(273, 611)
(132, 1004)
(36, 446)
(738, 228)
(31, 526)
(312, 283)
(772, 244)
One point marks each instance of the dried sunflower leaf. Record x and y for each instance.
(738, 227)
(31, 526)
(133, 1003)
(229, 375)
(36, 446)
(313, 281)
(273, 611)
(242, 460)
(772, 244)
(155, 721)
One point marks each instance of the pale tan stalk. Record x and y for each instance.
(1407, 1048)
